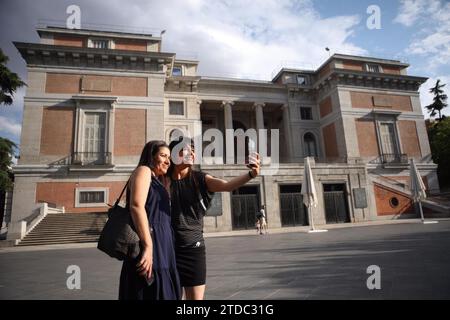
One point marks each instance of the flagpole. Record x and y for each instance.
(421, 211)
(311, 222)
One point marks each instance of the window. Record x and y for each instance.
(394, 202)
(388, 139)
(91, 197)
(94, 138)
(301, 80)
(177, 71)
(310, 145)
(176, 108)
(100, 44)
(373, 68)
(306, 113)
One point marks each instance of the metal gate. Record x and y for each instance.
(293, 211)
(335, 207)
(244, 208)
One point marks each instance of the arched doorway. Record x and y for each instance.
(310, 146)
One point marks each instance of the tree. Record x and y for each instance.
(439, 100)
(6, 153)
(439, 135)
(9, 81)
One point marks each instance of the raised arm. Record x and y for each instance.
(219, 185)
(139, 186)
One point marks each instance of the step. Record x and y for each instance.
(65, 235)
(55, 242)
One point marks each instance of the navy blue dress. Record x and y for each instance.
(166, 285)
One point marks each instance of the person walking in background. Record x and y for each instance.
(263, 220)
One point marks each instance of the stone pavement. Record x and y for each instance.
(286, 264)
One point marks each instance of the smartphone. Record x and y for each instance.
(251, 151)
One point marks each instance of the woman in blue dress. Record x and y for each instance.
(153, 274)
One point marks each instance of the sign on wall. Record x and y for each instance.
(360, 197)
(216, 206)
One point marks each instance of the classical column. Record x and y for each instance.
(228, 114)
(287, 130)
(229, 137)
(259, 115)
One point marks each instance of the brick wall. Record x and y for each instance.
(71, 41)
(71, 84)
(409, 138)
(57, 131)
(353, 65)
(129, 131)
(329, 137)
(130, 44)
(325, 106)
(383, 196)
(367, 138)
(370, 100)
(63, 194)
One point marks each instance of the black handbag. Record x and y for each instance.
(118, 238)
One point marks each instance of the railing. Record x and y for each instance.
(90, 158)
(394, 158)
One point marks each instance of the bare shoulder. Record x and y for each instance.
(142, 172)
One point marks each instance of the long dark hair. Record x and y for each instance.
(150, 151)
(148, 155)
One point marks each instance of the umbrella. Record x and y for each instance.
(417, 188)
(309, 193)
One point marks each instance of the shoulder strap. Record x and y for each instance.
(121, 194)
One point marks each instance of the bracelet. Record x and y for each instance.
(250, 175)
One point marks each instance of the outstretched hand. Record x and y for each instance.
(254, 161)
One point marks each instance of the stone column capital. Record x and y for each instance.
(285, 106)
(227, 103)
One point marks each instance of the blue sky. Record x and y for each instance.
(250, 38)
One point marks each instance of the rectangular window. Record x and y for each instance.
(373, 68)
(388, 140)
(301, 80)
(100, 44)
(177, 71)
(176, 108)
(92, 197)
(306, 113)
(94, 138)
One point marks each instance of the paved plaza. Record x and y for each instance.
(413, 258)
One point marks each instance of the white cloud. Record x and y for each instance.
(243, 38)
(433, 39)
(9, 127)
(412, 10)
(426, 98)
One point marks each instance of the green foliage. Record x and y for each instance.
(6, 153)
(439, 135)
(439, 100)
(9, 81)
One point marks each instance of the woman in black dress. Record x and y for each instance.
(153, 274)
(189, 191)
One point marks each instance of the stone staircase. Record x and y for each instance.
(66, 228)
